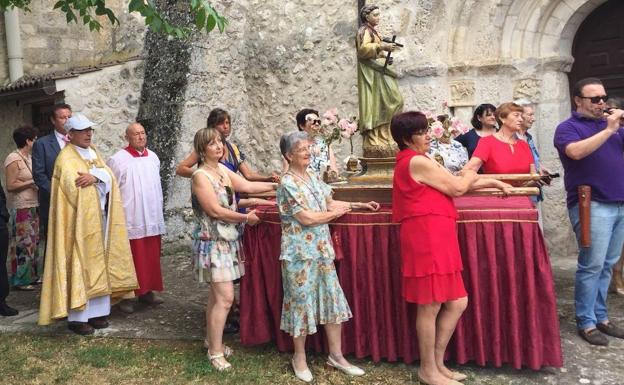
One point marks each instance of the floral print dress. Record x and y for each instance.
(319, 156)
(312, 293)
(215, 259)
(453, 156)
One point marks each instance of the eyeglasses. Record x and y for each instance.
(315, 121)
(303, 149)
(230, 195)
(596, 99)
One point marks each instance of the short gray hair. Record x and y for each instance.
(289, 140)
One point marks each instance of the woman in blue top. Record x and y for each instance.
(312, 293)
(233, 158)
(483, 123)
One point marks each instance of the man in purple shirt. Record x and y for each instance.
(591, 148)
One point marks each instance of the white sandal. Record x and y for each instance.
(227, 351)
(220, 365)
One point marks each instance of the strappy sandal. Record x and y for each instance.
(218, 361)
(227, 351)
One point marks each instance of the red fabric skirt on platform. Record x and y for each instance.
(146, 255)
(430, 260)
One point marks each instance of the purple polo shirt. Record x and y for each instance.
(602, 169)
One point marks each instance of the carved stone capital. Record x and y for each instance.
(528, 88)
(462, 93)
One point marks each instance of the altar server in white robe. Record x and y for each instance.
(137, 170)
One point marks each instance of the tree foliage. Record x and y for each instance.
(205, 17)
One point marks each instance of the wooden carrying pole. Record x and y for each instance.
(517, 180)
(514, 191)
(383, 194)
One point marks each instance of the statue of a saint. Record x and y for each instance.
(379, 95)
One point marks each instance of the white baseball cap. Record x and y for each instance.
(78, 122)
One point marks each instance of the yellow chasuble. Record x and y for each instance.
(78, 265)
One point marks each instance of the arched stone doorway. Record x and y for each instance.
(598, 48)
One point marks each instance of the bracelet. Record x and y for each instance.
(351, 205)
(246, 218)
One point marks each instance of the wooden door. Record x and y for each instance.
(598, 48)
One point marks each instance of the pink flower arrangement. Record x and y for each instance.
(458, 127)
(347, 128)
(437, 129)
(330, 116)
(335, 128)
(444, 127)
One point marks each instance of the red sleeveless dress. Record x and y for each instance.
(431, 261)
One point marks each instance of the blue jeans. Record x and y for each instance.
(593, 272)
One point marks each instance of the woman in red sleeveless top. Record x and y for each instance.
(431, 262)
(503, 152)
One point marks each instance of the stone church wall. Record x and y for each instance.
(277, 57)
(109, 98)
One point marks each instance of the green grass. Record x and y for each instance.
(28, 359)
(67, 359)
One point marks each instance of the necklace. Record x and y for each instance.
(215, 170)
(291, 172)
(501, 137)
(309, 187)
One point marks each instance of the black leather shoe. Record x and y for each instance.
(81, 328)
(231, 327)
(594, 337)
(99, 322)
(7, 310)
(611, 330)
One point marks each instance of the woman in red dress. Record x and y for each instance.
(431, 262)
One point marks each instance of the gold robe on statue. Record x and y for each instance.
(78, 265)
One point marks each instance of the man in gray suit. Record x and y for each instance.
(44, 153)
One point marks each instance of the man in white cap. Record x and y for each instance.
(137, 170)
(88, 259)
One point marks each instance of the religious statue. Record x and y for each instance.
(379, 95)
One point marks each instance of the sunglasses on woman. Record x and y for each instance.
(313, 119)
(230, 195)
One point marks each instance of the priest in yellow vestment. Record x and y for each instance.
(88, 259)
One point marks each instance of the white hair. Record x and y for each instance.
(289, 140)
(524, 103)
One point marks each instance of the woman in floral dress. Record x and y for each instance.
(25, 249)
(312, 293)
(217, 249)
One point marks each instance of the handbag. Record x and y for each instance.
(228, 231)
